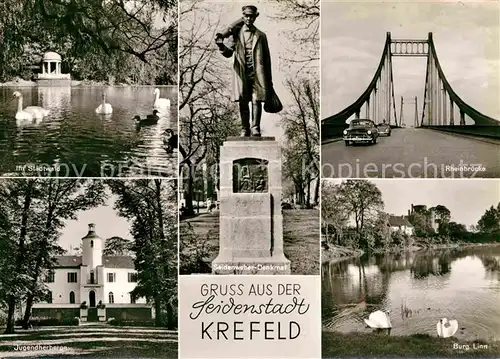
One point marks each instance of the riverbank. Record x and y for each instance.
(18, 82)
(336, 344)
(334, 254)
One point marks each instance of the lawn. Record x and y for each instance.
(96, 341)
(300, 236)
(337, 345)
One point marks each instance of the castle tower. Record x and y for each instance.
(93, 246)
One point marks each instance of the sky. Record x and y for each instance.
(106, 220)
(466, 37)
(279, 46)
(467, 199)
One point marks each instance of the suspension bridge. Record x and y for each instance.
(445, 119)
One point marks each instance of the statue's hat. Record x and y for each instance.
(249, 9)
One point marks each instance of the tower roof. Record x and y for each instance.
(91, 233)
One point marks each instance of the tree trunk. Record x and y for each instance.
(308, 200)
(27, 313)
(158, 321)
(170, 317)
(20, 256)
(189, 192)
(10, 315)
(316, 191)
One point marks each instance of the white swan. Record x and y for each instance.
(104, 108)
(446, 328)
(160, 103)
(379, 320)
(30, 112)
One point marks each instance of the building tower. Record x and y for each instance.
(93, 246)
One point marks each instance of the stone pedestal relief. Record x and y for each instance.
(251, 223)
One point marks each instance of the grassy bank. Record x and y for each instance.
(419, 345)
(75, 83)
(300, 239)
(339, 253)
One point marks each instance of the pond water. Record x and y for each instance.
(80, 142)
(417, 289)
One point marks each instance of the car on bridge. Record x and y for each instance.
(361, 131)
(384, 129)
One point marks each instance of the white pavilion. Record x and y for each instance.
(51, 71)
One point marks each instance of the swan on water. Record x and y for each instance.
(446, 328)
(379, 320)
(30, 112)
(104, 108)
(160, 103)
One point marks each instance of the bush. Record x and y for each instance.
(75, 321)
(43, 321)
(193, 251)
(101, 305)
(83, 305)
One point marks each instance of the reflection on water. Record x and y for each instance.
(417, 289)
(83, 142)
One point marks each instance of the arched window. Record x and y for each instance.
(111, 298)
(49, 297)
(92, 277)
(91, 244)
(72, 297)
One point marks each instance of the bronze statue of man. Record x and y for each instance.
(252, 80)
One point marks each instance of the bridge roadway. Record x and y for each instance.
(414, 153)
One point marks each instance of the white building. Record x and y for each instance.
(91, 278)
(401, 224)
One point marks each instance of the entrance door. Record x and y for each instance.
(91, 299)
(92, 315)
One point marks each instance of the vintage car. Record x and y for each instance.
(384, 129)
(360, 131)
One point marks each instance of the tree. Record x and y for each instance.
(334, 212)
(421, 220)
(490, 220)
(306, 14)
(301, 122)
(207, 114)
(97, 39)
(18, 195)
(117, 246)
(443, 216)
(151, 206)
(456, 230)
(363, 200)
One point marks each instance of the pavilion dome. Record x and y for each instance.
(51, 56)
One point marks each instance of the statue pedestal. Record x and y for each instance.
(251, 223)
